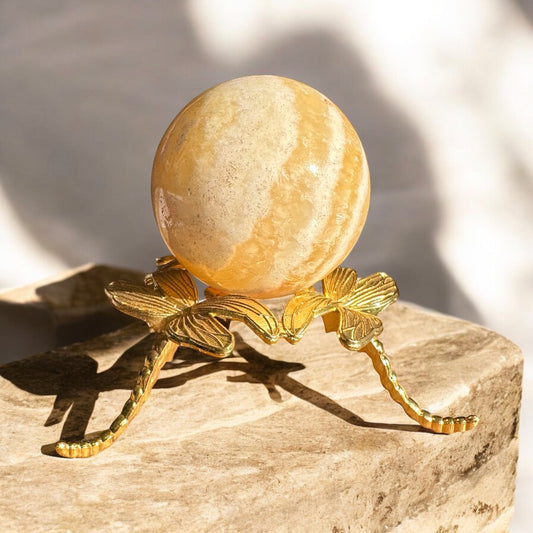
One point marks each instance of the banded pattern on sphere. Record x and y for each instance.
(260, 186)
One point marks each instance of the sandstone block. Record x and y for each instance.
(275, 438)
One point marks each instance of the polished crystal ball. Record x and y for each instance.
(260, 186)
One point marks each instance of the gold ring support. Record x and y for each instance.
(168, 303)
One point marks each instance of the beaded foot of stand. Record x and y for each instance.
(168, 303)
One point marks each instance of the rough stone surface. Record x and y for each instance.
(66, 309)
(277, 438)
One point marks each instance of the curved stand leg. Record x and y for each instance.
(389, 380)
(145, 382)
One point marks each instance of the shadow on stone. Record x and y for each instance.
(49, 449)
(72, 377)
(281, 379)
(72, 309)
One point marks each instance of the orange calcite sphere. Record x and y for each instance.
(260, 186)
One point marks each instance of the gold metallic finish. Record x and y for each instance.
(348, 304)
(148, 375)
(168, 303)
(389, 380)
(260, 188)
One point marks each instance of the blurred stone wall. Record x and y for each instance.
(440, 96)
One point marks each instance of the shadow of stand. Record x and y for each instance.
(294, 387)
(73, 378)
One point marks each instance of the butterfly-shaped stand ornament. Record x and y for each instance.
(168, 303)
(260, 189)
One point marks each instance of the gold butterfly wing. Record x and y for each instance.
(201, 332)
(177, 285)
(339, 284)
(373, 293)
(357, 329)
(144, 302)
(251, 312)
(301, 310)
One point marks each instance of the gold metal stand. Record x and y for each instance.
(168, 303)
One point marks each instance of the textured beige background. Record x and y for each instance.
(441, 97)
